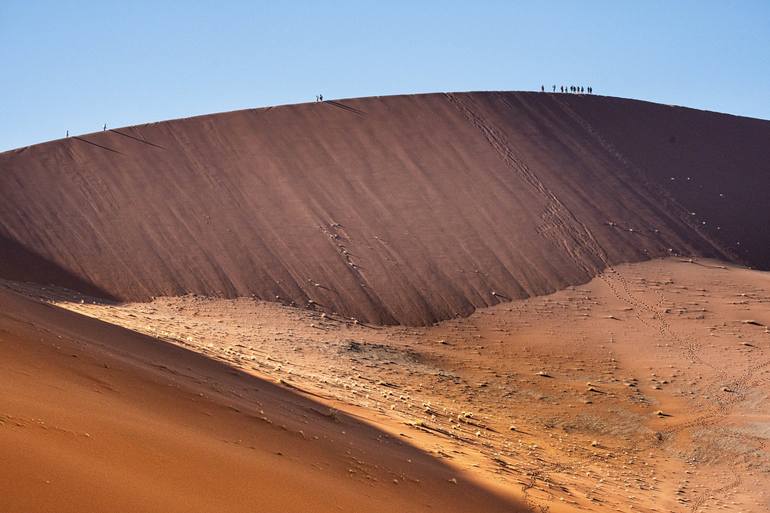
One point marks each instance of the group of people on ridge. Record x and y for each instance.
(570, 89)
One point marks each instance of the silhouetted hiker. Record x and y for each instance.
(554, 89)
(320, 97)
(581, 90)
(562, 89)
(105, 128)
(68, 133)
(590, 90)
(542, 88)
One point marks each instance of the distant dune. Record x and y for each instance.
(405, 209)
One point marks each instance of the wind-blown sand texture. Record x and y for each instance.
(97, 418)
(404, 209)
(470, 302)
(645, 390)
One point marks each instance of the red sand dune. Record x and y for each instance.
(405, 209)
(96, 418)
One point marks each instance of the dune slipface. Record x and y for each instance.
(405, 209)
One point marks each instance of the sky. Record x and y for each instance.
(77, 65)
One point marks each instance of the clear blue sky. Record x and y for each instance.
(76, 65)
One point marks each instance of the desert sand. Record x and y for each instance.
(94, 417)
(446, 302)
(643, 390)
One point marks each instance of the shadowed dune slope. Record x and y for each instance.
(98, 418)
(716, 165)
(404, 209)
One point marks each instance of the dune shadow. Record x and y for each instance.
(18, 263)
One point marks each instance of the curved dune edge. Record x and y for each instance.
(392, 210)
(98, 418)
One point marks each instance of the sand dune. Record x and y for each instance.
(192, 312)
(405, 209)
(96, 418)
(716, 165)
(645, 390)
